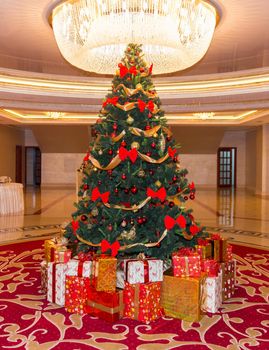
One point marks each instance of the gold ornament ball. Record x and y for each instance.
(158, 183)
(135, 145)
(139, 86)
(155, 135)
(130, 120)
(95, 169)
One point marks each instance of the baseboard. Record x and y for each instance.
(61, 185)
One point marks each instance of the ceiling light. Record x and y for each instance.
(93, 34)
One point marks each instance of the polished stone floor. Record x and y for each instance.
(238, 215)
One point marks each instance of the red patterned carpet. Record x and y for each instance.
(28, 321)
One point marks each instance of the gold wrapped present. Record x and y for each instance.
(181, 297)
(104, 273)
(219, 247)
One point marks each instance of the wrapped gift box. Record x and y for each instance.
(50, 246)
(219, 247)
(181, 297)
(142, 301)
(79, 268)
(205, 251)
(104, 272)
(56, 283)
(62, 254)
(76, 294)
(44, 276)
(229, 252)
(143, 271)
(212, 293)
(186, 266)
(210, 267)
(228, 279)
(105, 305)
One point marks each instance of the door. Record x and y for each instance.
(227, 167)
(32, 166)
(18, 167)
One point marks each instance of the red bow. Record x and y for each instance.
(113, 101)
(105, 245)
(124, 70)
(161, 193)
(143, 105)
(169, 222)
(96, 194)
(75, 226)
(86, 158)
(124, 153)
(216, 236)
(171, 152)
(150, 68)
(202, 242)
(192, 186)
(194, 229)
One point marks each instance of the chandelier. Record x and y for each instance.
(93, 34)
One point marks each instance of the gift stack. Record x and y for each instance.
(200, 279)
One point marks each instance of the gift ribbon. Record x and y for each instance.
(80, 268)
(136, 300)
(187, 270)
(108, 309)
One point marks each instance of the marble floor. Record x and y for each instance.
(238, 215)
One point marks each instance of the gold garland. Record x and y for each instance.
(133, 208)
(139, 88)
(128, 246)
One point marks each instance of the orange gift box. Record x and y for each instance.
(181, 297)
(142, 301)
(105, 305)
(104, 273)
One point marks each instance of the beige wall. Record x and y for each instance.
(9, 137)
(60, 168)
(251, 160)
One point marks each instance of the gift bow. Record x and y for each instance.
(171, 152)
(113, 101)
(202, 242)
(143, 105)
(192, 186)
(124, 70)
(161, 193)
(216, 236)
(96, 194)
(86, 158)
(169, 222)
(150, 68)
(75, 225)
(194, 229)
(124, 153)
(105, 245)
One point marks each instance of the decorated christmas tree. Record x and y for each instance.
(133, 191)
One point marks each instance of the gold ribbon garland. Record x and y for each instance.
(128, 246)
(139, 88)
(133, 208)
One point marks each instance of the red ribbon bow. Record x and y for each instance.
(96, 194)
(105, 245)
(143, 105)
(171, 152)
(124, 153)
(150, 68)
(75, 226)
(161, 193)
(169, 222)
(192, 186)
(194, 229)
(202, 242)
(113, 101)
(86, 158)
(216, 236)
(124, 70)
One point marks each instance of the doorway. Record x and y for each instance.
(19, 163)
(32, 166)
(227, 167)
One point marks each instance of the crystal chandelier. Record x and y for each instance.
(93, 34)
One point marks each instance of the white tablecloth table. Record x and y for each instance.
(11, 198)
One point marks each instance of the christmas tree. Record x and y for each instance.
(133, 189)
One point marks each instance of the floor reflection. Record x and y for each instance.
(226, 206)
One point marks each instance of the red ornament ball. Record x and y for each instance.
(113, 135)
(123, 176)
(148, 154)
(186, 198)
(151, 172)
(142, 70)
(83, 218)
(110, 152)
(192, 196)
(123, 144)
(171, 204)
(85, 187)
(178, 189)
(175, 159)
(139, 220)
(147, 127)
(149, 115)
(110, 227)
(134, 189)
(145, 219)
(115, 126)
(99, 182)
(174, 178)
(116, 190)
(126, 190)
(168, 138)
(153, 145)
(109, 172)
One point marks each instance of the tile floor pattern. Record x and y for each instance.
(238, 215)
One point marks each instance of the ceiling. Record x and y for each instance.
(241, 40)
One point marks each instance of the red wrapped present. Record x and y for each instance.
(62, 254)
(229, 252)
(219, 247)
(142, 301)
(104, 273)
(105, 305)
(186, 265)
(210, 267)
(228, 279)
